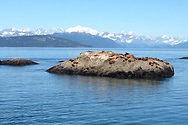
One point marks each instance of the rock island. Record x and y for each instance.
(111, 64)
(17, 62)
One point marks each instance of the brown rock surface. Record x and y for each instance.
(17, 62)
(110, 64)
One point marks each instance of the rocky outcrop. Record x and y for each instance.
(183, 58)
(17, 62)
(110, 64)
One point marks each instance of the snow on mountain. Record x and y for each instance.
(127, 37)
(82, 30)
(24, 30)
(170, 40)
(56, 30)
(28, 32)
(41, 31)
(124, 37)
(111, 36)
(131, 37)
(15, 32)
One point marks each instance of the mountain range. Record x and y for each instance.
(89, 37)
(38, 41)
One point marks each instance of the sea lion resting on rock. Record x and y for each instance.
(110, 64)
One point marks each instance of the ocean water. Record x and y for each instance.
(31, 96)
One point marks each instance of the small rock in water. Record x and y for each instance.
(183, 58)
(17, 62)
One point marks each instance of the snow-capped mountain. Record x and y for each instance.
(127, 37)
(15, 32)
(82, 30)
(41, 31)
(170, 40)
(28, 32)
(123, 38)
(131, 37)
(56, 30)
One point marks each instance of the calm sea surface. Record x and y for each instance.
(31, 96)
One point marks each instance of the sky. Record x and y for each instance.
(145, 17)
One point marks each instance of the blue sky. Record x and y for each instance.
(146, 17)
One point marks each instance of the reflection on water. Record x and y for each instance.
(134, 100)
(103, 85)
(105, 81)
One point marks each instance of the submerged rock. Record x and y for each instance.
(110, 64)
(17, 62)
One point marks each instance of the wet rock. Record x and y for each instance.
(17, 62)
(110, 64)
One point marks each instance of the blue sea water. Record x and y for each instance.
(31, 96)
